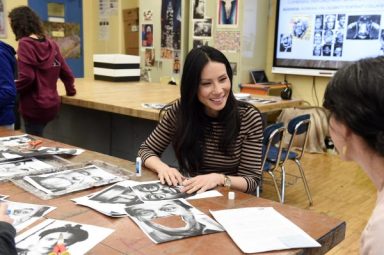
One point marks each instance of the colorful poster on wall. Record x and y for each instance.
(3, 27)
(170, 26)
(228, 13)
(149, 57)
(147, 35)
(67, 36)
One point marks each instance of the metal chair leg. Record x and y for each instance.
(258, 190)
(304, 181)
(282, 184)
(276, 187)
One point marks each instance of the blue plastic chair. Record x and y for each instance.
(299, 125)
(273, 139)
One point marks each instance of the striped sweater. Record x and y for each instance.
(245, 162)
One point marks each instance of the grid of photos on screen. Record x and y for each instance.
(78, 238)
(328, 35)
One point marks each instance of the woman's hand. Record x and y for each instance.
(202, 183)
(170, 176)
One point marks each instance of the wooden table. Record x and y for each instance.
(127, 97)
(129, 239)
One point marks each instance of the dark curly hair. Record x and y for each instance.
(24, 22)
(355, 96)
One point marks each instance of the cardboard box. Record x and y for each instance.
(132, 51)
(131, 14)
(116, 67)
(131, 39)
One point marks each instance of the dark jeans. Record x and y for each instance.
(34, 128)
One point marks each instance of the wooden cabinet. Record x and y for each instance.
(131, 31)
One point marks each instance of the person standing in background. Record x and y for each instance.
(40, 65)
(7, 86)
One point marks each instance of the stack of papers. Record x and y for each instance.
(260, 229)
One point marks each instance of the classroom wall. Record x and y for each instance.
(9, 5)
(304, 87)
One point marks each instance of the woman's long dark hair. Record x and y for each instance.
(192, 124)
(25, 22)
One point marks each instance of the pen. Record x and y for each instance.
(138, 166)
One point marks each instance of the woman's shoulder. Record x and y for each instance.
(248, 110)
(170, 109)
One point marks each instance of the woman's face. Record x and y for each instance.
(149, 187)
(317, 51)
(144, 214)
(56, 183)
(299, 28)
(317, 38)
(330, 22)
(173, 209)
(214, 88)
(47, 242)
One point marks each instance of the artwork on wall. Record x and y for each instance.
(176, 62)
(170, 27)
(147, 35)
(3, 26)
(149, 57)
(198, 9)
(202, 28)
(197, 43)
(148, 14)
(227, 41)
(234, 67)
(67, 37)
(228, 12)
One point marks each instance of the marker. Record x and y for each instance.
(138, 166)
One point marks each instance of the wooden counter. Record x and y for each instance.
(126, 98)
(129, 239)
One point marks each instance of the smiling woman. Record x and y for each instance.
(215, 137)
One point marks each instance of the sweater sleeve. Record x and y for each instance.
(66, 75)
(7, 84)
(7, 239)
(161, 137)
(251, 155)
(26, 75)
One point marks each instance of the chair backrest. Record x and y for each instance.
(299, 125)
(273, 137)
